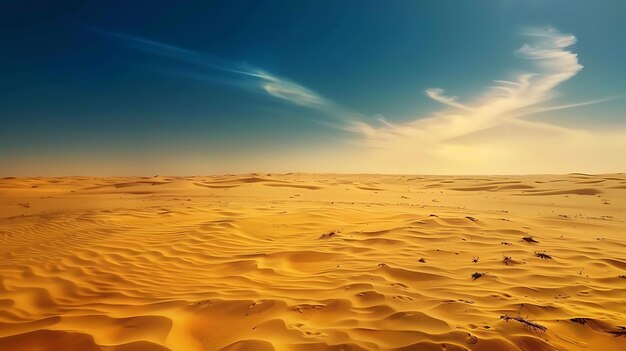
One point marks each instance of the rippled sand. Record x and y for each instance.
(313, 262)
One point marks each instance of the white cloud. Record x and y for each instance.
(437, 95)
(491, 136)
(290, 91)
(201, 65)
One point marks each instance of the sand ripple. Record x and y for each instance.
(312, 262)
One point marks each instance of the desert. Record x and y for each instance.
(313, 262)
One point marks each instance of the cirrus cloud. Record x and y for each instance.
(493, 135)
(203, 66)
(497, 133)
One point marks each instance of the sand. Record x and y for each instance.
(313, 262)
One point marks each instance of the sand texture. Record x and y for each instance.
(313, 262)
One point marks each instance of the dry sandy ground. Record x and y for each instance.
(313, 262)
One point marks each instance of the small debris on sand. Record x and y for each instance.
(329, 235)
(509, 261)
(530, 240)
(527, 323)
(543, 256)
(477, 275)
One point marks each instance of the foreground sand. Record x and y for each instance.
(313, 262)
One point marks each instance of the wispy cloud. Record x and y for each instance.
(437, 95)
(491, 134)
(292, 92)
(201, 65)
(501, 103)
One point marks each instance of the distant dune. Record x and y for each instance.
(313, 262)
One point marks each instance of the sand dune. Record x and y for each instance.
(313, 262)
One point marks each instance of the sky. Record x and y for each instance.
(213, 87)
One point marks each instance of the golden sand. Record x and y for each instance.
(313, 262)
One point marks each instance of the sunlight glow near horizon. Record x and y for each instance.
(183, 109)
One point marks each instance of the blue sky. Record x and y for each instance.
(143, 87)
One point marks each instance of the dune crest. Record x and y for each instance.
(313, 262)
